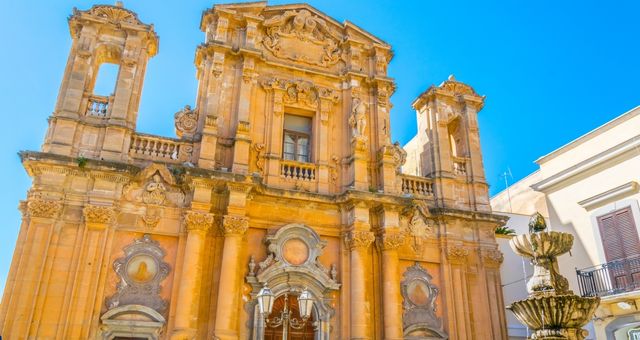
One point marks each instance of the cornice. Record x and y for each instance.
(588, 164)
(622, 190)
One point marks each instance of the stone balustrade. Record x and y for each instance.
(297, 170)
(416, 185)
(98, 106)
(160, 149)
(460, 166)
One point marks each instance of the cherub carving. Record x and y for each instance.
(155, 191)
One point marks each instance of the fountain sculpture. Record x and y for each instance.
(551, 311)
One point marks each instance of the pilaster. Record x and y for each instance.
(197, 225)
(97, 233)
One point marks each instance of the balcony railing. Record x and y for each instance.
(159, 149)
(297, 170)
(98, 106)
(416, 185)
(610, 278)
(460, 166)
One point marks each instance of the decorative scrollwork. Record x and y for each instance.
(186, 122)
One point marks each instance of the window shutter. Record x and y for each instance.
(619, 235)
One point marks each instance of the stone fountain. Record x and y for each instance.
(551, 311)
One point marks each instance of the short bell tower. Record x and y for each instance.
(87, 125)
(449, 145)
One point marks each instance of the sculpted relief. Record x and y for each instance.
(303, 37)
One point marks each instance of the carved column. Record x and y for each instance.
(96, 235)
(359, 243)
(28, 261)
(197, 225)
(228, 306)
(392, 309)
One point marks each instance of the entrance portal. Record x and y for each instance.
(288, 304)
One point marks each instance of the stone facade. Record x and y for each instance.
(131, 235)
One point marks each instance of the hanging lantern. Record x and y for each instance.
(265, 300)
(305, 303)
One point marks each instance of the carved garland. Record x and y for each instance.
(391, 241)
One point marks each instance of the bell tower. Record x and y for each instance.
(87, 125)
(449, 145)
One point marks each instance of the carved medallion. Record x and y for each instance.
(141, 271)
(295, 251)
(419, 303)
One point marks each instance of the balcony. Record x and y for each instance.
(460, 166)
(159, 149)
(611, 278)
(98, 106)
(416, 185)
(297, 170)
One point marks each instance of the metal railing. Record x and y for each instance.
(610, 278)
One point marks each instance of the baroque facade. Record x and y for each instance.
(282, 175)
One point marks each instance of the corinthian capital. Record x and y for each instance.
(391, 241)
(99, 214)
(235, 225)
(359, 239)
(198, 221)
(457, 253)
(37, 207)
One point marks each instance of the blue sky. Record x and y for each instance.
(551, 71)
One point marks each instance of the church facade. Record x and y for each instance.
(282, 182)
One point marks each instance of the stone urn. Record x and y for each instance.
(551, 311)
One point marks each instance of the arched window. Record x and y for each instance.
(106, 78)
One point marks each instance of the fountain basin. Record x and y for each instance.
(542, 244)
(555, 311)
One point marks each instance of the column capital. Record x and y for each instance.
(359, 239)
(233, 225)
(390, 240)
(198, 221)
(99, 215)
(37, 207)
(492, 257)
(457, 253)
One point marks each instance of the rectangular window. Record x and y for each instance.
(297, 136)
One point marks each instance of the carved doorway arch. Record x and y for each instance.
(291, 266)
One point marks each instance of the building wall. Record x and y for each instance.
(130, 235)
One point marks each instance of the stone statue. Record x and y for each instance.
(358, 119)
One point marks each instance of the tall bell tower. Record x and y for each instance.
(92, 126)
(448, 144)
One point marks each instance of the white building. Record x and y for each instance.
(589, 188)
